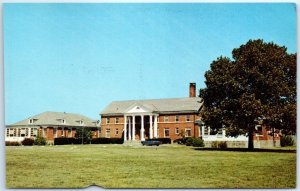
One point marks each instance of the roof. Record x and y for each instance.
(56, 119)
(171, 105)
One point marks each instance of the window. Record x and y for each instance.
(15, 132)
(107, 133)
(117, 119)
(11, 132)
(7, 132)
(166, 118)
(187, 118)
(177, 118)
(31, 121)
(117, 131)
(107, 120)
(63, 121)
(177, 131)
(188, 132)
(22, 132)
(33, 132)
(26, 132)
(167, 132)
(81, 122)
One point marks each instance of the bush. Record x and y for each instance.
(64, 141)
(103, 140)
(27, 142)
(286, 141)
(219, 144)
(198, 142)
(222, 145)
(181, 141)
(40, 141)
(12, 143)
(189, 141)
(162, 140)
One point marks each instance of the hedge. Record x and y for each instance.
(103, 140)
(27, 142)
(12, 143)
(163, 140)
(286, 141)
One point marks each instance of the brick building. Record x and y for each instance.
(155, 118)
(49, 125)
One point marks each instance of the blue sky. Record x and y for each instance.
(79, 57)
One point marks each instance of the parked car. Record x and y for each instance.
(151, 142)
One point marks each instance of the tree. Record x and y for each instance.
(258, 84)
(84, 134)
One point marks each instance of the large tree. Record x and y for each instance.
(258, 84)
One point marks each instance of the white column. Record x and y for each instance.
(155, 126)
(125, 128)
(133, 127)
(142, 128)
(29, 132)
(129, 128)
(150, 128)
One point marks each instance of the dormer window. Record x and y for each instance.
(63, 121)
(31, 121)
(80, 122)
(137, 107)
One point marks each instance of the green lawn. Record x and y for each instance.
(166, 166)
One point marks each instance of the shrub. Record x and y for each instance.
(12, 143)
(198, 142)
(103, 140)
(286, 141)
(40, 141)
(214, 144)
(189, 141)
(27, 142)
(63, 141)
(222, 145)
(162, 140)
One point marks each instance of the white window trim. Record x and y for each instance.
(176, 118)
(117, 121)
(107, 130)
(185, 131)
(108, 120)
(188, 117)
(176, 130)
(116, 131)
(165, 132)
(166, 118)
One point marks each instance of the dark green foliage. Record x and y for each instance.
(107, 141)
(162, 140)
(27, 142)
(214, 144)
(39, 140)
(84, 134)
(287, 141)
(64, 141)
(259, 83)
(189, 141)
(12, 143)
(198, 142)
(181, 141)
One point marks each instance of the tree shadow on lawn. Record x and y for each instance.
(246, 150)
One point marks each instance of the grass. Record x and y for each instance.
(166, 166)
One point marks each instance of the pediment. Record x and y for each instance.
(137, 108)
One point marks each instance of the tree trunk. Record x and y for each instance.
(250, 140)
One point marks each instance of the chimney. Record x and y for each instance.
(192, 89)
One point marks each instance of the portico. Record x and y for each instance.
(139, 122)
